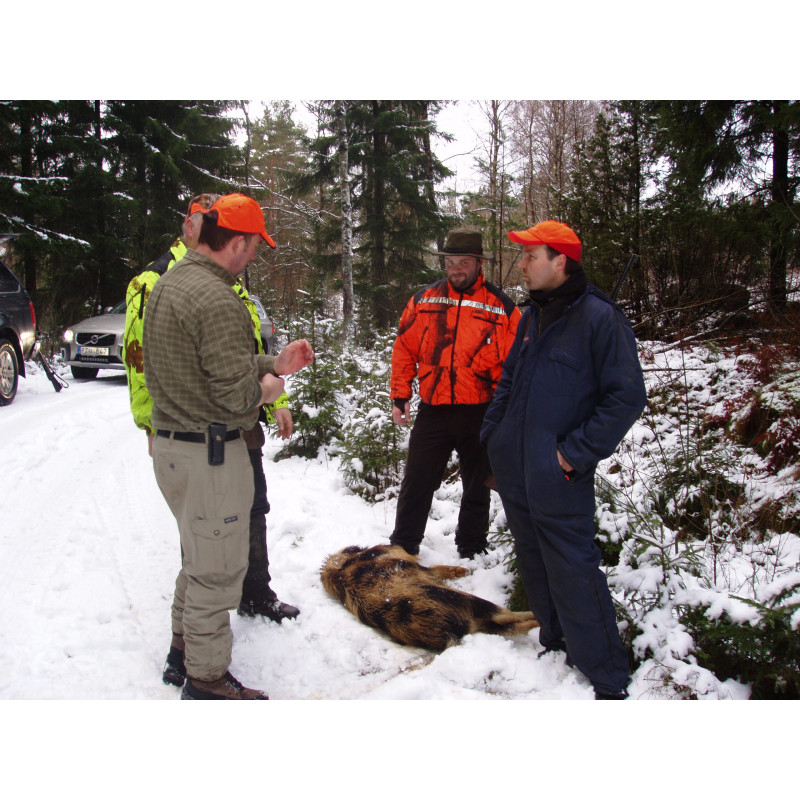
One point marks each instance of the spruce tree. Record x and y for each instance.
(373, 449)
(44, 149)
(605, 204)
(395, 212)
(399, 222)
(716, 143)
(162, 153)
(98, 189)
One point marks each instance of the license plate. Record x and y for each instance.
(93, 351)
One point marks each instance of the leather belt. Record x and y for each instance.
(200, 438)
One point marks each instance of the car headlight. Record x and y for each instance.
(69, 336)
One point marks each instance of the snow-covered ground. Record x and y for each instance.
(90, 553)
(88, 558)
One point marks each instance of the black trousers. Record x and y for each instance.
(256, 588)
(437, 431)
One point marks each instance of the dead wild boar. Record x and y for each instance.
(387, 589)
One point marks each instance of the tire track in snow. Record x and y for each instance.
(89, 543)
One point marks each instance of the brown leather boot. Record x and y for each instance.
(224, 688)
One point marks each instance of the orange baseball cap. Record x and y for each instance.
(237, 212)
(201, 202)
(558, 235)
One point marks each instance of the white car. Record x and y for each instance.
(95, 343)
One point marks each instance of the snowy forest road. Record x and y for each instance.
(85, 547)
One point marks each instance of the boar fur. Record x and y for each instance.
(387, 589)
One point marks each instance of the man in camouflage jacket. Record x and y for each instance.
(452, 339)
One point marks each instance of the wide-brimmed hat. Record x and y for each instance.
(464, 242)
(237, 212)
(556, 234)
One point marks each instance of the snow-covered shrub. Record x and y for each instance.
(501, 539)
(313, 390)
(750, 641)
(373, 449)
(767, 416)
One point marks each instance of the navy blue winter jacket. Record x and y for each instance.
(577, 386)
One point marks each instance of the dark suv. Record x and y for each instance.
(18, 338)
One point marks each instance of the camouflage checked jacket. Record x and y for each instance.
(453, 343)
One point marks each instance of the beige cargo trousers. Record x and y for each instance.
(211, 505)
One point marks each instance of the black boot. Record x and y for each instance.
(470, 549)
(175, 668)
(469, 552)
(623, 695)
(411, 549)
(271, 609)
(258, 598)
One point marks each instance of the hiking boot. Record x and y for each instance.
(411, 549)
(271, 609)
(224, 688)
(623, 695)
(175, 668)
(469, 552)
(548, 650)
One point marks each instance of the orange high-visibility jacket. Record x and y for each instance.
(455, 342)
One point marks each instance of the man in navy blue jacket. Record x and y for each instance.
(571, 389)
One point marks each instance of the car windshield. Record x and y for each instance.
(8, 281)
(119, 308)
(259, 306)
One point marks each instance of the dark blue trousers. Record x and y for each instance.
(559, 567)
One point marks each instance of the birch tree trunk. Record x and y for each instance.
(347, 215)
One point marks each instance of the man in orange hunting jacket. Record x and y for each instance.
(453, 338)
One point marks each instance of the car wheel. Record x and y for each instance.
(9, 372)
(84, 373)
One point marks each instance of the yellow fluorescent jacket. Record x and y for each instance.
(136, 299)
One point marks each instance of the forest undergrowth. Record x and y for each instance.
(698, 511)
